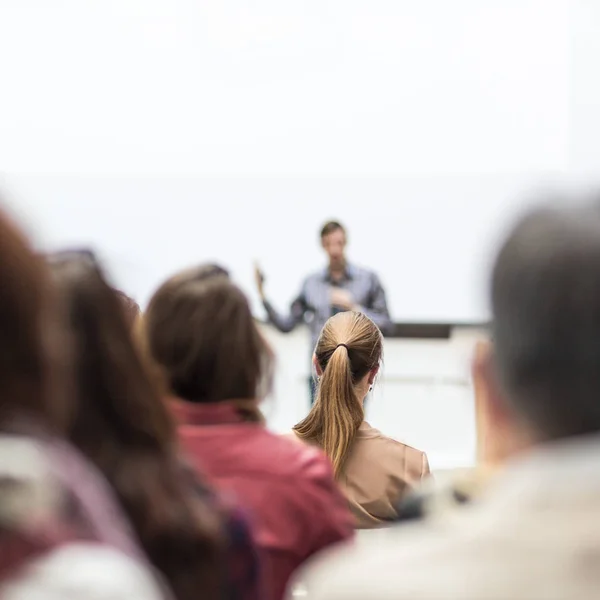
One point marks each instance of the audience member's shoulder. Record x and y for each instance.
(37, 532)
(82, 571)
(398, 457)
(370, 433)
(297, 459)
(292, 447)
(410, 453)
(29, 492)
(314, 469)
(370, 568)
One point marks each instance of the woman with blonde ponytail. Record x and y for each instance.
(374, 471)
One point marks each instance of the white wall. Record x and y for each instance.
(420, 124)
(424, 396)
(430, 240)
(585, 89)
(327, 87)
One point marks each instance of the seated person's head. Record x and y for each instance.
(349, 340)
(106, 366)
(541, 381)
(346, 359)
(200, 331)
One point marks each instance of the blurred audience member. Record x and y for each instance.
(218, 368)
(375, 471)
(122, 425)
(61, 533)
(535, 531)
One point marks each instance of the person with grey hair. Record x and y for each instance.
(534, 532)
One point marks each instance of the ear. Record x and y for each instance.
(316, 365)
(372, 374)
(492, 416)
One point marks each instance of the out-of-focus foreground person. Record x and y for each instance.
(61, 533)
(374, 471)
(218, 368)
(535, 531)
(122, 425)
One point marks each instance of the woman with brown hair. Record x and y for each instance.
(122, 425)
(373, 471)
(217, 367)
(61, 532)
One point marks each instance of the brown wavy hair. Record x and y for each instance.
(122, 425)
(200, 331)
(30, 348)
(350, 345)
(130, 308)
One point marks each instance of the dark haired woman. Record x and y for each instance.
(217, 366)
(122, 425)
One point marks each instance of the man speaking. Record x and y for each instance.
(339, 287)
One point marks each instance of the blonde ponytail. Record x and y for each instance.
(338, 411)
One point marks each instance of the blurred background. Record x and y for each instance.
(168, 132)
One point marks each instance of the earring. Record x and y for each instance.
(370, 388)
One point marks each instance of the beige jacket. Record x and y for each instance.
(378, 473)
(533, 534)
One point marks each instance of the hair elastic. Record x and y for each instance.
(341, 345)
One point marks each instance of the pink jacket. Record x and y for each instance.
(287, 487)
